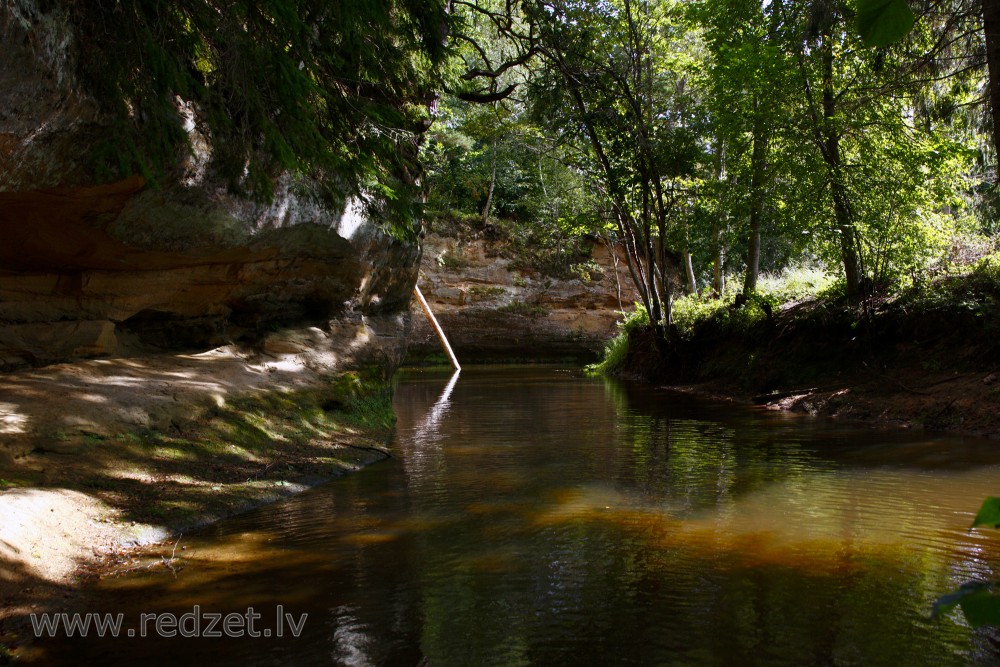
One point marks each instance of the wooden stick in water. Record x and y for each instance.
(436, 326)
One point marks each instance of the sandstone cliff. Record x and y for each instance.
(89, 268)
(223, 321)
(495, 309)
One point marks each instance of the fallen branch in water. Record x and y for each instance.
(162, 562)
(169, 563)
(761, 399)
(368, 448)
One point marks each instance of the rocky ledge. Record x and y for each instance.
(123, 268)
(494, 310)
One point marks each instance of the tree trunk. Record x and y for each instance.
(753, 255)
(613, 251)
(758, 175)
(991, 30)
(843, 215)
(493, 182)
(718, 250)
(848, 236)
(692, 282)
(718, 262)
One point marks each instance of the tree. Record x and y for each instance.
(991, 35)
(966, 38)
(610, 80)
(334, 91)
(750, 99)
(774, 116)
(494, 157)
(878, 165)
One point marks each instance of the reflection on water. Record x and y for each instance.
(535, 517)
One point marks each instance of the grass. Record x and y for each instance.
(696, 314)
(976, 289)
(795, 285)
(616, 351)
(365, 401)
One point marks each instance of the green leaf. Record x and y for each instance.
(883, 22)
(981, 608)
(949, 601)
(989, 513)
(979, 604)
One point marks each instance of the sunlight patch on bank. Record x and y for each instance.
(11, 421)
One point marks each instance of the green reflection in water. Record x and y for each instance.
(536, 517)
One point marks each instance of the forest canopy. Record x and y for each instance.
(709, 138)
(726, 137)
(335, 91)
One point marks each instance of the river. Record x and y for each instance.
(534, 516)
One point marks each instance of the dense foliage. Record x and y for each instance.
(334, 91)
(712, 139)
(725, 138)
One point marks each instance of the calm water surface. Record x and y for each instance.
(532, 516)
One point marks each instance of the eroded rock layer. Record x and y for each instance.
(491, 310)
(89, 268)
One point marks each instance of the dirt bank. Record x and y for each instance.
(928, 359)
(957, 403)
(99, 457)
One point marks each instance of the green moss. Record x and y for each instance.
(453, 259)
(479, 293)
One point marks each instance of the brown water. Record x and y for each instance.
(532, 516)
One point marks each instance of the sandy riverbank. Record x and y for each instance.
(102, 456)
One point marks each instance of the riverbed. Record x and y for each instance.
(535, 516)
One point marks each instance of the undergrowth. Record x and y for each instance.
(616, 351)
(532, 248)
(696, 315)
(976, 289)
(715, 337)
(364, 400)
